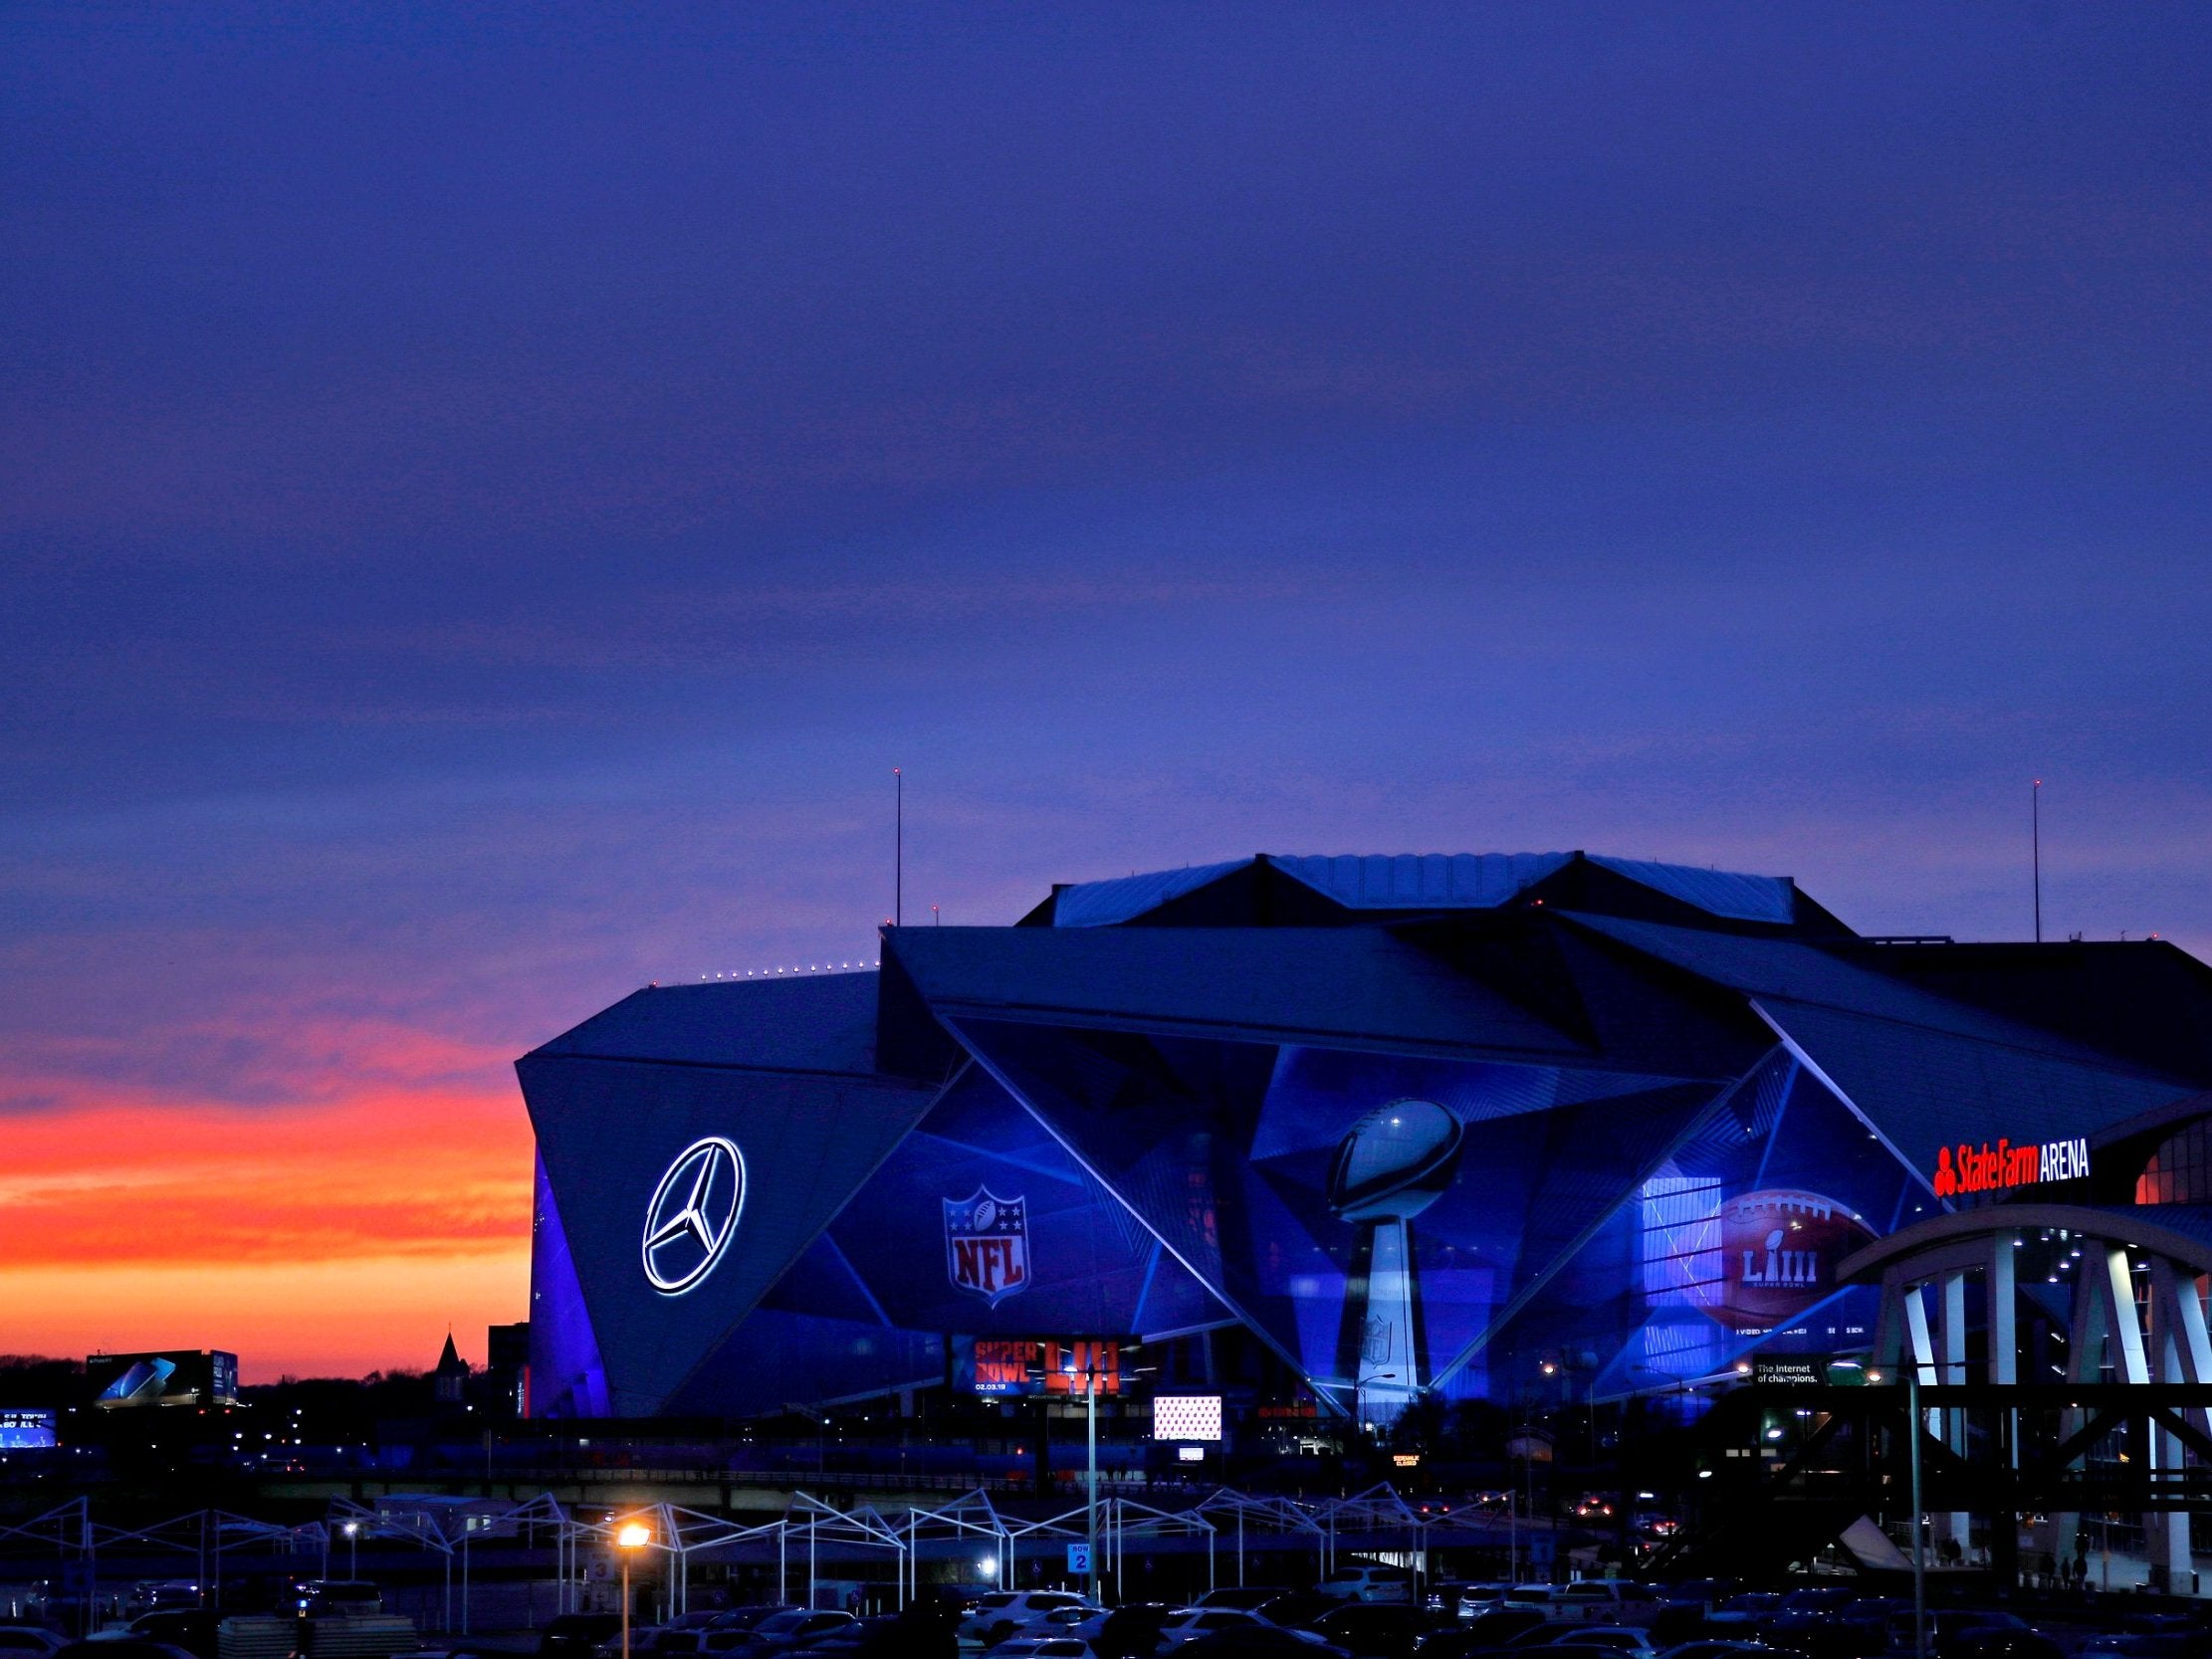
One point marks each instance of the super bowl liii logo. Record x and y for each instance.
(986, 1245)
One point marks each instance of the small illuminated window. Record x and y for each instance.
(2180, 1171)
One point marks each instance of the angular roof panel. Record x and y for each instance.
(1104, 904)
(1925, 1089)
(1358, 987)
(1801, 972)
(810, 1022)
(1717, 891)
(1414, 882)
(1422, 881)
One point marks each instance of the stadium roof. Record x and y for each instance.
(1363, 886)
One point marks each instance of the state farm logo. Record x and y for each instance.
(693, 1214)
(1965, 1170)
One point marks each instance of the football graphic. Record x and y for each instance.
(1779, 1248)
(1395, 1162)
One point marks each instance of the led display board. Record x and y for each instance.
(1018, 1367)
(1187, 1418)
(27, 1430)
(174, 1376)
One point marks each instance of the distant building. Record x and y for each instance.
(506, 1369)
(452, 1375)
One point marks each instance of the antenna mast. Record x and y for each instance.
(2034, 844)
(898, 848)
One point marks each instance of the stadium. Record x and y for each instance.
(1325, 1134)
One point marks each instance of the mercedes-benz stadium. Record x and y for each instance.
(1322, 1134)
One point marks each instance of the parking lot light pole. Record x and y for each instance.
(353, 1549)
(1090, 1507)
(1919, 1564)
(629, 1538)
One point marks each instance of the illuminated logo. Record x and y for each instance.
(986, 1245)
(1778, 1252)
(1985, 1168)
(693, 1214)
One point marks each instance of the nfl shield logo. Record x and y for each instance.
(986, 1245)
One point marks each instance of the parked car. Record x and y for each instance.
(788, 1631)
(1503, 1623)
(746, 1618)
(1536, 1598)
(1820, 1598)
(1040, 1647)
(1950, 1627)
(1005, 1612)
(1376, 1631)
(1604, 1601)
(192, 1629)
(2006, 1642)
(1132, 1628)
(1465, 1600)
(1743, 1612)
(1186, 1624)
(1450, 1645)
(1249, 1597)
(1368, 1584)
(886, 1634)
(153, 1594)
(1261, 1641)
(28, 1639)
(576, 1635)
(124, 1647)
(1297, 1609)
(1632, 1641)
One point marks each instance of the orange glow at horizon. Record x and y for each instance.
(322, 1240)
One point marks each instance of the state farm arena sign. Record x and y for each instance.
(1965, 1170)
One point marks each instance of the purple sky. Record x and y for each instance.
(491, 497)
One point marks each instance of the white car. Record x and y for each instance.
(1368, 1584)
(1040, 1647)
(1005, 1613)
(1533, 1598)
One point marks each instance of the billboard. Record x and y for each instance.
(1187, 1418)
(172, 1376)
(27, 1430)
(1012, 1367)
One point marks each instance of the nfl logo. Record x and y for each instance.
(986, 1245)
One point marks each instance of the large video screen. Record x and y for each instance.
(24, 1430)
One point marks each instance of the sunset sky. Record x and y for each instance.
(490, 493)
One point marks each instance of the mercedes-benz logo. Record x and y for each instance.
(693, 1214)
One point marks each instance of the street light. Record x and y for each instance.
(629, 1538)
(352, 1550)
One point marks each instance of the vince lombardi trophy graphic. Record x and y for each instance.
(1395, 1163)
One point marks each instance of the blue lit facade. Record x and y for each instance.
(1385, 1127)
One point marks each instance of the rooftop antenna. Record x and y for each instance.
(898, 847)
(2035, 843)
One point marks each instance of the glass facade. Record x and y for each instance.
(2180, 1171)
